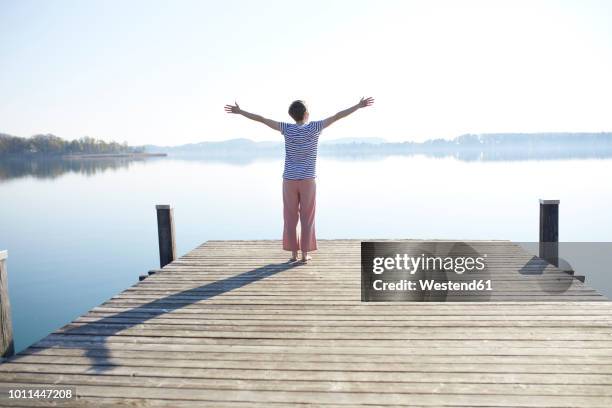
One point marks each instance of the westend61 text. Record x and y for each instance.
(432, 285)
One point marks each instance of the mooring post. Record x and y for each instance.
(549, 231)
(7, 348)
(165, 233)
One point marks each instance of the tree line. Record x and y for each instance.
(53, 145)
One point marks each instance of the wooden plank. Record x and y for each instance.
(591, 362)
(404, 366)
(482, 349)
(317, 386)
(366, 398)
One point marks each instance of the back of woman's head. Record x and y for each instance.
(297, 110)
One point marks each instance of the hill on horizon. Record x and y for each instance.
(464, 141)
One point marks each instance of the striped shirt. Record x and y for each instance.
(301, 149)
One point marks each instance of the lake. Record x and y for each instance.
(78, 232)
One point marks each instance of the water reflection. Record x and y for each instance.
(51, 168)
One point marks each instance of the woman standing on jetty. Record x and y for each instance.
(299, 187)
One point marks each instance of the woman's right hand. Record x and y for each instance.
(232, 108)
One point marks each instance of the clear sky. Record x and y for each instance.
(161, 71)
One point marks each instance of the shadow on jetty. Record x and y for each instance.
(99, 353)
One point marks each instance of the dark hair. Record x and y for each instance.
(297, 110)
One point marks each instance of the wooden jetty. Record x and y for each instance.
(231, 324)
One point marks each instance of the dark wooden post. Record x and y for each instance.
(7, 348)
(549, 231)
(165, 233)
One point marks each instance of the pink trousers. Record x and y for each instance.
(299, 202)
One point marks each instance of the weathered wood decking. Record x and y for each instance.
(230, 324)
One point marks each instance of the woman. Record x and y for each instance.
(299, 188)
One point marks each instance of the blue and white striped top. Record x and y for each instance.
(301, 149)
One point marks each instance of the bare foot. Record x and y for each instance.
(293, 258)
(305, 258)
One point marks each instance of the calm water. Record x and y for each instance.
(78, 233)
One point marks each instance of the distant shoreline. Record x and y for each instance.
(112, 155)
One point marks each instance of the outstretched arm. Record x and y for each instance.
(362, 104)
(257, 118)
